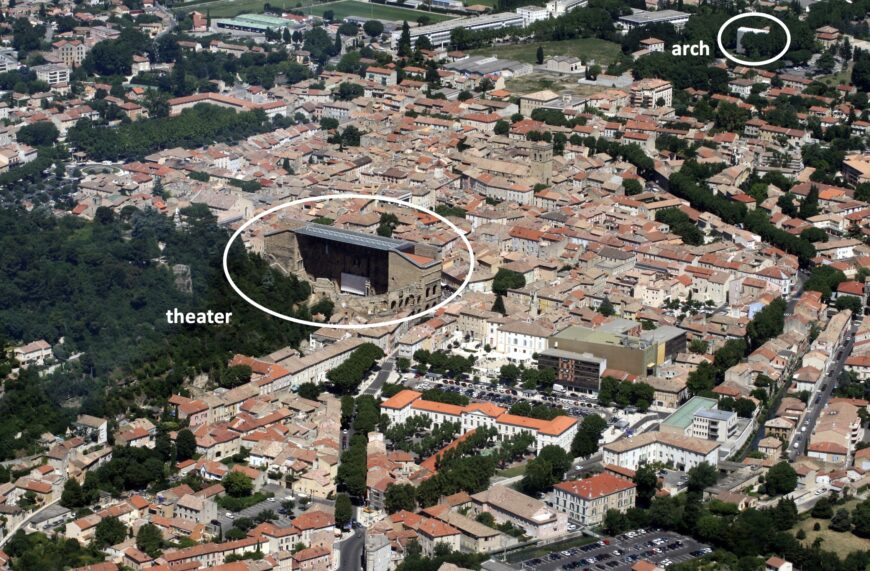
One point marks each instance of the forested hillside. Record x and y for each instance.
(104, 287)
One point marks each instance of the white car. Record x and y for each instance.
(230, 515)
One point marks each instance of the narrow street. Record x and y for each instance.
(352, 550)
(820, 399)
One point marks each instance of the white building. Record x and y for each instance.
(34, 353)
(559, 431)
(640, 18)
(532, 14)
(557, 8)
(652, 93)
(439, 34)
(296, 371)
(519, 340)
(712, 424)
(92, 429)
(860, 365)
(52, 73)
(534, 517)
(377, 552)
(681, 452)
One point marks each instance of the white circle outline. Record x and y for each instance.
(748, 15)
(348, 195)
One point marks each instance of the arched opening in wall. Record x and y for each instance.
(408, 301)
(393, 304)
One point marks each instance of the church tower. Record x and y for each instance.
(541, 158)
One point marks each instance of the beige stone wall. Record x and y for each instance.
(409, 287)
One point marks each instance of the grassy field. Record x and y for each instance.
(842, 543)
(342, 9)
(230, 8)
(602, 51)
(346, 8)
(512, 471)
(844, 76)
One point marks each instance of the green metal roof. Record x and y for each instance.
(682, 417)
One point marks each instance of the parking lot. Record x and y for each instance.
(575, 405)
(663, 548)
(274, 504)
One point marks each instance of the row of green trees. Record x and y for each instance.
(689, 183)
(347, 377)
(198, 126)
(625, 393)
(363, 416)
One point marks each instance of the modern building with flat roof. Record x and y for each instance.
(681, 419)
(634, 355)
(641, 18)
(701, 418)
(576, 371)
(252, 23)
(439, 34)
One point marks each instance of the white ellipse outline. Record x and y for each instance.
(749, 15)
(348, 195)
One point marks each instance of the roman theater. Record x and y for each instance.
(364, 273)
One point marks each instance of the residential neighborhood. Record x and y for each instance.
(434, 286)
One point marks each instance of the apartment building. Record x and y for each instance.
(586, 501)
(52, 73)
(652, 93)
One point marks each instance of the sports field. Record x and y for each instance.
(341, 9)
(345, 8)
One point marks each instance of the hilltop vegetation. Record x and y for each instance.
(104, 288)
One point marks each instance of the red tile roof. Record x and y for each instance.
(596, 486)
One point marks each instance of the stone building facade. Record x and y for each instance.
(368, 274)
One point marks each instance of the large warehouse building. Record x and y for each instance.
(637, 355)
(370, 274)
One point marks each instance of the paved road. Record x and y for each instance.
(24, 523)
(382, 376)
(352, 551)
(792, 302)
(820, 399)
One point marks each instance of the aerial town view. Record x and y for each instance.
(435, 285)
